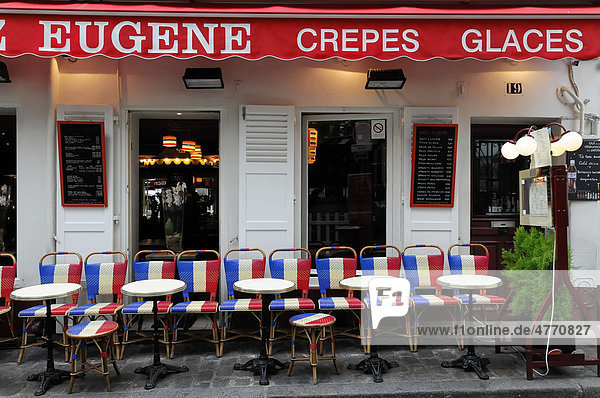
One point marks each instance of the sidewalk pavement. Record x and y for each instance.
(418, 375)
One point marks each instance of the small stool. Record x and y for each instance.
(100, 333)
(312, 322)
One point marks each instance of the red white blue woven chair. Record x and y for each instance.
(8, 274)
(469, 264)
(236, 270)
(383, 266)
(53, 273)
(105, 278)
(143, 270)
(199, 277)
(296, 270)
(422, 271)
(330, 271)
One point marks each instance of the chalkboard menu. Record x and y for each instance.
(583, 172)
(433, 165)
(82, 165)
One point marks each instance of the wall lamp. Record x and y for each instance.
(4, 73)
(196, 78)
(526, 144)
(385, 79)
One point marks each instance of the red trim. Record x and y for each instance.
(135, 8)
(62, 196)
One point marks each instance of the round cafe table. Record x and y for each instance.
(470, 361)
(373, 363)
(268, 287)
(47, 292)
(154, 288)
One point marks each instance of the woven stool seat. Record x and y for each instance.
(314, 325)
(101, 334)
(91, 329)
(312, 320)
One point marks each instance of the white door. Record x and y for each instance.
(266, 179)
(427, 225)
(87, 229)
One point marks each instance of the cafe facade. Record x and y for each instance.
(288, 75)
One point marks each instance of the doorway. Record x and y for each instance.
(178, 182)
(8, 181)
(346, 180)
(494, 187)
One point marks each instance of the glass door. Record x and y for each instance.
(345, 180)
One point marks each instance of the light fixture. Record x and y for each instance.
(385, 79)
(509, 150)
(196, 78)
(556, 147)
(571, 140)
(4, 73)
(188, 146)
(526, 145)
(169, 141)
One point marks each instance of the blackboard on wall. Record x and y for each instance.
(433, 165)
(82, 163)
(586, 182)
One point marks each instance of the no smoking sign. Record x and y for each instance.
(378, 129)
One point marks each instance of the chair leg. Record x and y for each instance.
(293, 351)
(23, 343)
(337, 369)
(313, 354)
(271, 333)
(215, 332)
(114, 352)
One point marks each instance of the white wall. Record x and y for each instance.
(332, 84)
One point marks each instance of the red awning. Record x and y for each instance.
(152, 31)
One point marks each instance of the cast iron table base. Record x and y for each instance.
(374, 364)
(470, 362)
(50, 375)
(263, 364)
(157, 369)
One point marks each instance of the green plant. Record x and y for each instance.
(529, 271)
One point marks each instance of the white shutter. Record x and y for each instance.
(87, 229)
(266, 177)
(427, 225)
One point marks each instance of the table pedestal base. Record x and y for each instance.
(470, 362)
(48, 377)
(262, 366)
(161, 370)
(375, 365)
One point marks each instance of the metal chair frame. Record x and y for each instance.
(275, 313)
(63, 342)
(8, 273)
(213, 318)
(414, 312)
(228, 314)
(129, 319)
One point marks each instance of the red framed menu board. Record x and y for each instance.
(82, 163)
(433, 165)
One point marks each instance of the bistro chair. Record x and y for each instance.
(469, 264)
(144, 270)
(199, 277)
(383, 266)
(296, 270)
(237, 270)
(422, 271)
(330, 271)
(8, 274)
(53, 273)
(105, 278)
(380, 266)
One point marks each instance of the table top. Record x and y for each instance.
(360, 282)
(153, 287)
(462, 281)
(264, 286)
(46, 291)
